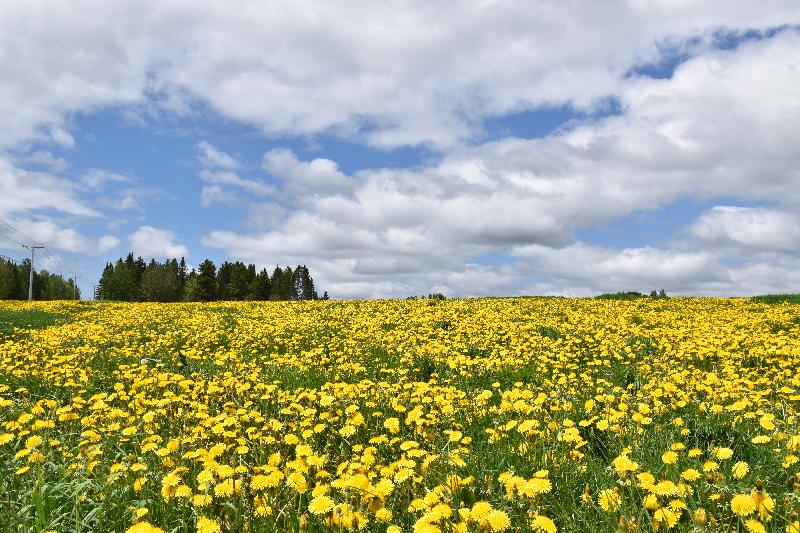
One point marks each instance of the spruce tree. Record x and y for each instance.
(309, 293)
(182, 273)
(277, 284)
(207, 281)
(287, 290)
(297, 283)
(103, 285)
(260, 288)
(223, 280)
(238, 287)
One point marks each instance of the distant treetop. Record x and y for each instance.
(134, 280)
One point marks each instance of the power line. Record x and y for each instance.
(5, 226)
(9, 238)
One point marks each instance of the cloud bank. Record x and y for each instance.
(482, 215)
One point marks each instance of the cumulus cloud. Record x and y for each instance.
(723, 126)
(23, 190)
(148, 241)
(317, 177)
(748, 229)
(593, 268)
(717, 128)
(391, 75)
(58, 237)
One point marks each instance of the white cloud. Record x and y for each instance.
(594, 268)
(264, 215)
(390, 74)
(717, 128)
(148, 241)
(212, 157)
(316, 177)
(227, 177)
(133, 198)
(46, 159)
(215, 194)
(97, 178)
(725, 125)
(22, 190)
(62, 137)
(748, 229)
(68, 239)
(124, 203)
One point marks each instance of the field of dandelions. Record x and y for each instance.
(518, 414)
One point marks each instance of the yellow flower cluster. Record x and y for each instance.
(478, 415)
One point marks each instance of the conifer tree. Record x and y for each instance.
(309, 293)
(277, 284)
(287, 290)
(207, 281)
(261, 288)
(182, 273)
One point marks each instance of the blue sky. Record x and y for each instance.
(538, 150)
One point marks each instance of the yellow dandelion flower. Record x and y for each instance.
(764, 503)
(544, 524)
(739, 470)
(383, 515)
(207, 525)
(498, 520)
(690, 474)
(480, 510)
(201, 500)
(144, 527)
(320, 505)
(743, 505)
(665, 516)
(754, 526)
(609, 500)
(723, 453)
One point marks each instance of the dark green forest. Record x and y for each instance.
(14, 279)
(135, 280)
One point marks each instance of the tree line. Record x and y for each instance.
(14, 280)
(134, 280)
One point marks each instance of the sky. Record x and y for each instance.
(406, 147)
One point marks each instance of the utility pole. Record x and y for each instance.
(33, 249)
(75, 286)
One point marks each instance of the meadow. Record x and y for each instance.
(481, 415)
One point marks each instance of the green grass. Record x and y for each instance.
(777, 298)
(27, 319)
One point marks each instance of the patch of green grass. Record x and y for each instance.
(443, 324)
(26, 319)
(549, 332)
(777, 299)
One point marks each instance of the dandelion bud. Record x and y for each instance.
(700, 517)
